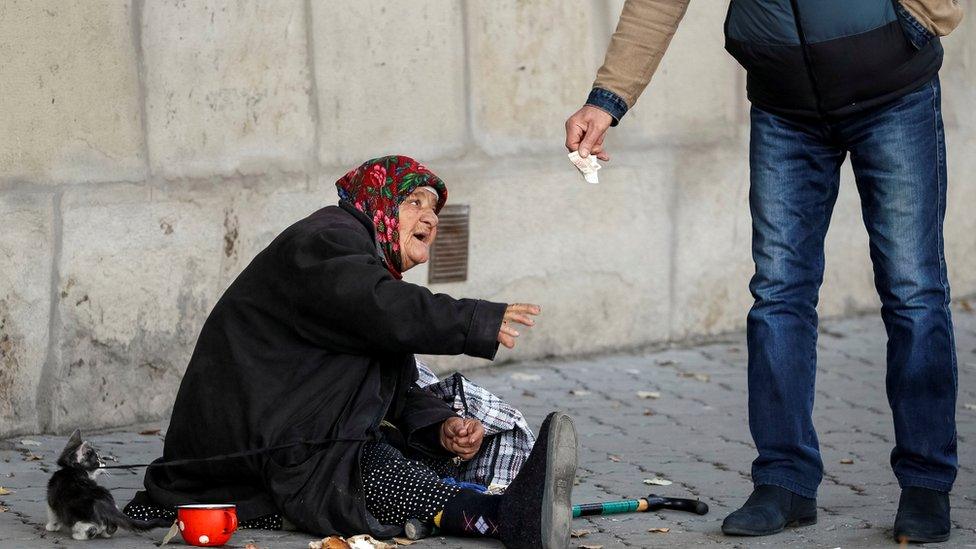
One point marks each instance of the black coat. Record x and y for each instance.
(313, 341)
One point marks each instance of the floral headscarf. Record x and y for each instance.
(377, 188)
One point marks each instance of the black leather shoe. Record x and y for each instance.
(923, 516)
(769, 510)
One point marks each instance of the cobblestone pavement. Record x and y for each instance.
(691, 429)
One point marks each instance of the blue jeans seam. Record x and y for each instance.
(922, 482)
(783, 482)
(940, 148)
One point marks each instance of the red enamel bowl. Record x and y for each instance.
(207, 525)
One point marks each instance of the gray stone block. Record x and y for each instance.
(960, 225)
(26, 249)
(139, 272)
(712, 240)
(69, 92)
(697, 94)
(532, 65)
(227, 87)
(390, 79)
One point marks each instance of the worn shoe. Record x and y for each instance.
(769, 510)
(536, 510)
(923, 516)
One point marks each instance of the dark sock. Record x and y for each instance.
(471, 513)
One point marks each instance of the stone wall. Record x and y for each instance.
(149, 149)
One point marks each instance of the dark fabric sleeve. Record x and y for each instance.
(345, 300)
(421, 419)
(427, 440)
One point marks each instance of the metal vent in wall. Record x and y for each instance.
(449, 254)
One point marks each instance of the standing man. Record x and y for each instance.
(825, 79)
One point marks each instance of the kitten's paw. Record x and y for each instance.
(84, 530)
(52, 526)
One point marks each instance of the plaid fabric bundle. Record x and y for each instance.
(508, 438)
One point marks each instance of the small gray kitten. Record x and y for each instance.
(75, 500)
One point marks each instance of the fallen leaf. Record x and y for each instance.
(31, 456)
(666, 362)
(249, 545)
(173, 530)
(648, 394)
(659, 530)
(151, 432)
(970, 407)
(648, 412)
(591, 547)
(847, 461)
(528, 394)
(579, 392)
(615, 459)
(522, 376)
(4, 491)
(29, 442)
(579, 533)
(4, 509)
(404, 541)
(658, 481)
(699, 377)
(965, 305)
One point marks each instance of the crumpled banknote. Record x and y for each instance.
(587, 166)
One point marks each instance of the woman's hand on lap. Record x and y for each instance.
(462, 436)
(520, 313)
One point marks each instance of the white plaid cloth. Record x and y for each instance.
(508, 438)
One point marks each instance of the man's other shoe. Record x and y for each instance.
(923, 516)
(769, 510)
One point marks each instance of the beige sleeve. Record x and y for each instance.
(939, 16)
(643, 33)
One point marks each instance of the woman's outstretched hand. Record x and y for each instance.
(462, 436)
(516, 313)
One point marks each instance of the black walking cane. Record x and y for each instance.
(415, 529)
(641, 505)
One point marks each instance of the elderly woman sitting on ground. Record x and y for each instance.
(300, 400)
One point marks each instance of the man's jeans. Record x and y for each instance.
(899, 160)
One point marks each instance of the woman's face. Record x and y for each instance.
(418, 227)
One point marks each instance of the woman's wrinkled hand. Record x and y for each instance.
(462, 436)
(516, 313)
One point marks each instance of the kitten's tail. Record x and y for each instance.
(112, 515)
